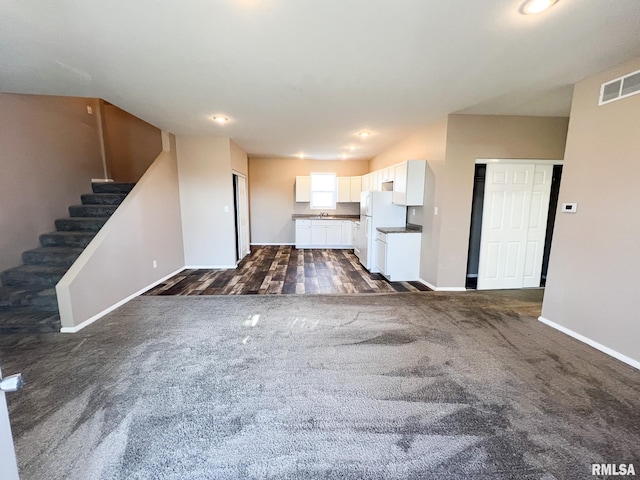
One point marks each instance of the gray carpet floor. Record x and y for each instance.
(397, 386)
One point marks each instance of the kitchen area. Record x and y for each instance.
(368, 215)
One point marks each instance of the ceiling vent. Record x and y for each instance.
(620, 88)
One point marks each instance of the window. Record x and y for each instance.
(323, 191)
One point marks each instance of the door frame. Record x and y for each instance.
(240, 252)
(471, 280)
(9, 465)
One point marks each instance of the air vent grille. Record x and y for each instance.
(620, 88)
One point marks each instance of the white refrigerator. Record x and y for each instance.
(376, 210)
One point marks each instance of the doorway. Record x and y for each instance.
(241, 211)
(512, 218)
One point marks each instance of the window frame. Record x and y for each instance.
(333, 192)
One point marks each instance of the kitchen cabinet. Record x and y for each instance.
(356, 188)
(326, 232)
(408, 184)
(387, 174)
(344, 189)
(398, 255)
(349, 189)
(355, 231)
(346, 237)
(366, 182)
(375, 183)
(303, 189)
(303, 232)
(323, 233)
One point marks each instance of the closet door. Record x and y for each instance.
(515, 208)
(540, 195)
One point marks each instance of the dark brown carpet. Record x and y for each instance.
(389, 386)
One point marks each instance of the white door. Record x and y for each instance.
(516, 201)
(242, 202)
(540, 195)
(8, 464)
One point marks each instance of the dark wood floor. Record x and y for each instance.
(285, 269)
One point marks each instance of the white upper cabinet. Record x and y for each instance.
(375, 181)
(303, 189)
(366, 182)
(356, 188)
(407, 179)
(408, 185)
(387, 174)
(344, 189)
(349, 189)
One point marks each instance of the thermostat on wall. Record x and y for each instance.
(569, 207)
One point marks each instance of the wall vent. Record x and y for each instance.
(620, 88)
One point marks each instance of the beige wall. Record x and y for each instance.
(118, 263)
(131, 145)
(49, 152)
(451, 145)
(595, 260)
(429, 143)
(206, 196)
(481, 136)
(272, 194)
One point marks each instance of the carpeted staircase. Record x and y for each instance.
(28, 300)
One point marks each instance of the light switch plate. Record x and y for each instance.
(569, 207)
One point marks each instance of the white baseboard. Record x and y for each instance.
(211, 267)
(271, 244)
(97, 316)
(101, 180)
(591, 343)
(442, 289)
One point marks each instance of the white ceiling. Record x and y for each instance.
(306, 76)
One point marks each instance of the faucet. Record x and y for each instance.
(324, 214)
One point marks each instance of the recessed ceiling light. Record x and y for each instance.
(301, 155)
(220, 119)
(345, 156)
(364, 134)
(536, 6)
(352, 147)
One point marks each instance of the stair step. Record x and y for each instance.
(103, 198)
(32, 276)
(112, 187)
(66, 239)
(30, 298)
(24, 320)
(92, 210)
(80, 224)
(60, 256)
(44, 300)
(15, 296)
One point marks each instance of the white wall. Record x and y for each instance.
(118, 263)
(206, 197)
(595, 255)
(49, 152)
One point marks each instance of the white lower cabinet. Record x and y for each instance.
(398, 255)
(323, 233)
(303, 232)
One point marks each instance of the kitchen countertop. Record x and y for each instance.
(311, 216)
(409, 228)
